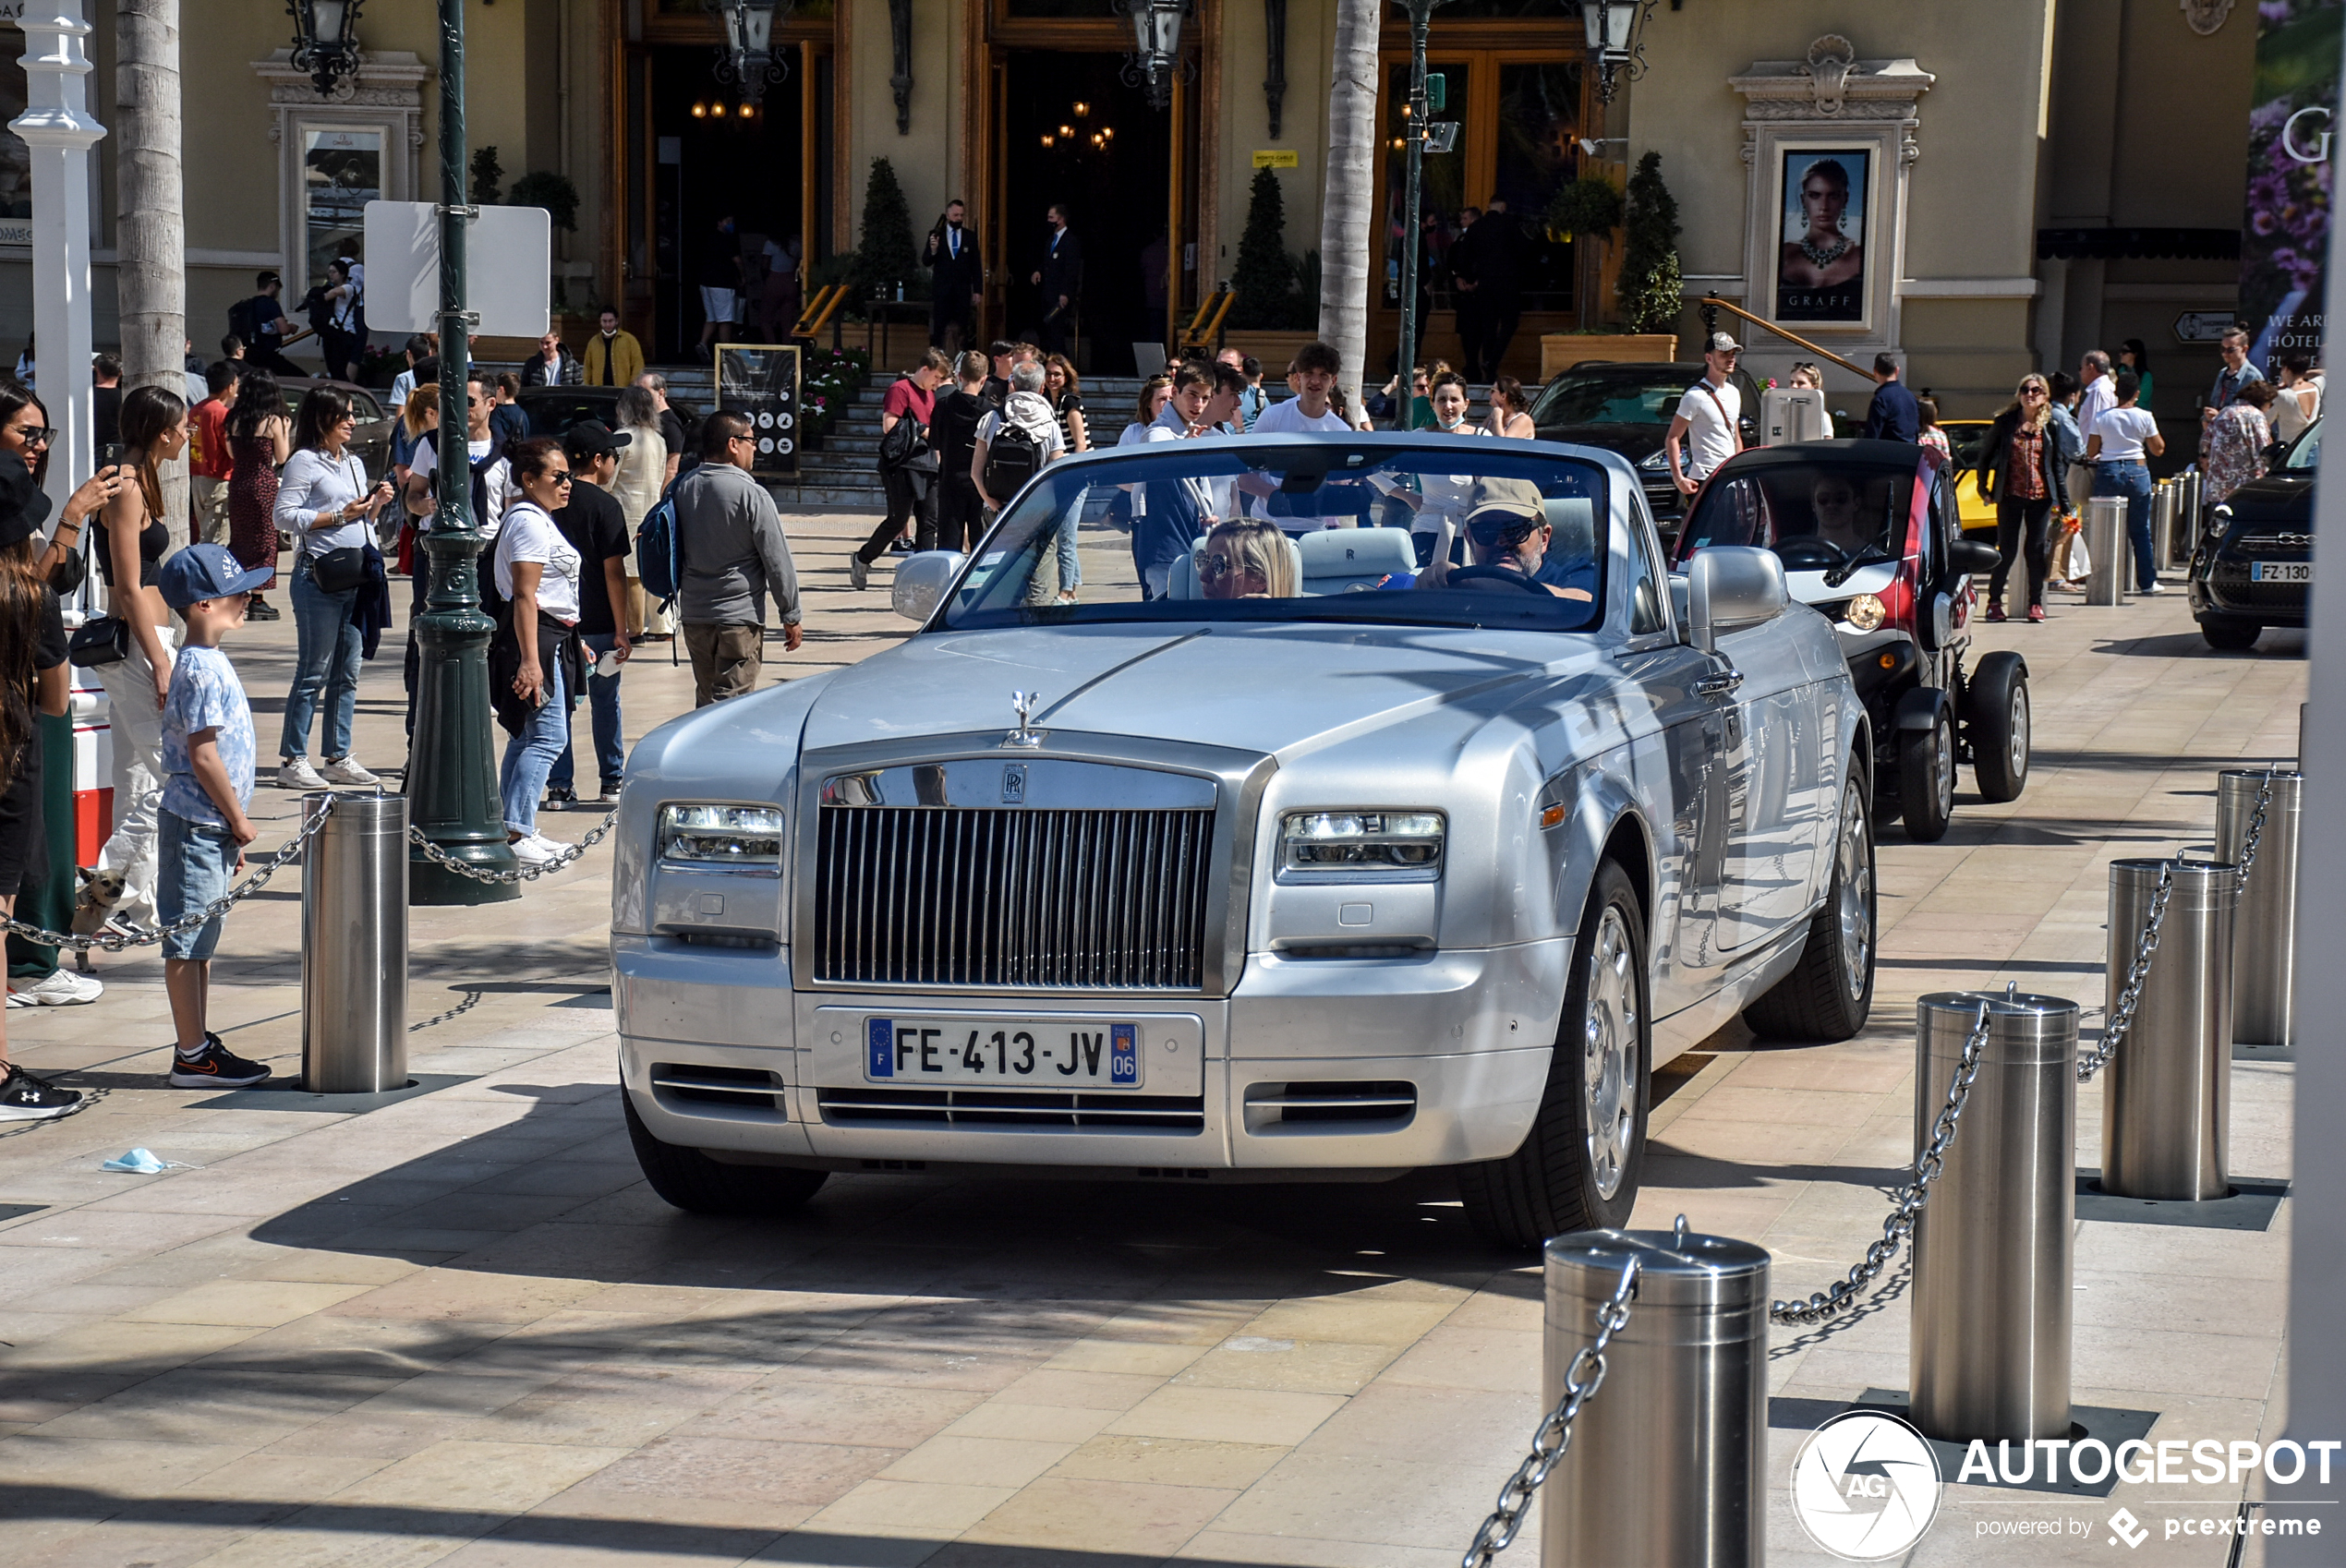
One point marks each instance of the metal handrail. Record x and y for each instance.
(1713, 302)
(827, 301)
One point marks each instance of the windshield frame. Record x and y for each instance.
(1782, 462)
(1613, 483)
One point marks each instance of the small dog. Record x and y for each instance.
(100, 892)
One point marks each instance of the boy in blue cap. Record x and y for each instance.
(207, 764)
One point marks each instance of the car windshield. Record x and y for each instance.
(1815, 515)
(553, 410)
(2307, 452)
(1964, 439)
(1617, 394)
(1320, 528)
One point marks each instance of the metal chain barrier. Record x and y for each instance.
(1581, 1380)
(447, 861)
(116, 942)
(1906, 1204)
(2121, 1017)
(2255, 825)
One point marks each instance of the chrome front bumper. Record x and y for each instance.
(1325, 1067)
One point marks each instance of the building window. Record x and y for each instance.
(342, 171)
(16, 158)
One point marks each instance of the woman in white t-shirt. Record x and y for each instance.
(2121, 438)
(1441, 499)
(539, 573)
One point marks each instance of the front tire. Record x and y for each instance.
(1829, 994)
(1927, 778)
(2233, 637)
(692, 1181)
(1579, 1165)
(1999, 726)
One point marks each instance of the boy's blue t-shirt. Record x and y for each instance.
(205, 694)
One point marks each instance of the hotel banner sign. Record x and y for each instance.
(2284, 235)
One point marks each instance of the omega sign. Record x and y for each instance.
(2306, 139)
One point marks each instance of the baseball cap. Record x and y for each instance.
(23, 506)
(207, 572)
(592, 438)
(1504, 510)
(1722, 344)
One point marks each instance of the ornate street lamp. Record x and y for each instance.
(747, 55)
(1156, 31)
(1616, 40)
(326, 40)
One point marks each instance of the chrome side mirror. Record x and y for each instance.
(920, 582)
(1730, 587)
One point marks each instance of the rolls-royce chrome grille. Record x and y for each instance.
(1071, 899)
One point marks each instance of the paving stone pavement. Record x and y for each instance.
(460, 1330)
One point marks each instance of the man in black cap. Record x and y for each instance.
(597, 529)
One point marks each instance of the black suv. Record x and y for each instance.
(1627, 407)
(2255, 567)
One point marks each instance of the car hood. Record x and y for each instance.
(1271, 689)
(1632, 441)
(2275, 495)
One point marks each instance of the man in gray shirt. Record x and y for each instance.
(730, 539)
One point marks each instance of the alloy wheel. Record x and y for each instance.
(1609, 1052)
(1856, 913)
(2019, 731)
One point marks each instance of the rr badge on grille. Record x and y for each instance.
(1014, 784)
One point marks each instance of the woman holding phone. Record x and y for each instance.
(130, 541)
(324, 502)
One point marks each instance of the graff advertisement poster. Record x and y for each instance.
(1820, 268)
(2285, 229)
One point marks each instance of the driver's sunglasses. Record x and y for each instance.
(1836, 498)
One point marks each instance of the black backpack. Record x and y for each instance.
(1013, 457)
(244, 321)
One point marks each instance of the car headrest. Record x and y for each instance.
(1574, 519)
(1338, 559)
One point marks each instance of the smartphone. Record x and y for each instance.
(111, 455)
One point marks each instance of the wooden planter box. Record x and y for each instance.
(1275, 349)
(1561, 351)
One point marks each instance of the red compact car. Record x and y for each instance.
(1872, 543)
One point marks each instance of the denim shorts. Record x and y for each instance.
(198, 862)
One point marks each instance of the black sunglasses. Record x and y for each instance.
(36, 435)
(565, 478)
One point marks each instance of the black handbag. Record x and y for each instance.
(339, 571)
(99, 642)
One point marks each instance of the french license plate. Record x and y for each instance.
(2281, 571)
(1041, 1053)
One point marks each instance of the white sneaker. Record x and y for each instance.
(858, 575)
(530, 849)
(346, 770)
(297, 774)
(2155, 588)
(62, 988)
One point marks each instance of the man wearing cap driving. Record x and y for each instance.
(1708, 423)
(1507, 531)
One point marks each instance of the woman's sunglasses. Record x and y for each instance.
(1220, 565)
(563, 479)
(35, 435)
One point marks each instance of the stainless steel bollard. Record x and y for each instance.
(354, 946)
(1666, 1467)
(2167, 1107)
(1994, 1247)
(2162, 523)
(2106, 542)
(2265, 930)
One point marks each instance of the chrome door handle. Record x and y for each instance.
(1722, 684)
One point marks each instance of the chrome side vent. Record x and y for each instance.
(1351, 1105)
(687, 1085)
(1014, 1110)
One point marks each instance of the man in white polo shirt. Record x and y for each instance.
(1707, 424)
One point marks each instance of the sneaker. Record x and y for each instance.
(2036, 615)
(296, 773)
(62, 988)
(346, 770)
(24, 1098)
(858, 575)
(610, 797)
(899, 546)
(257, 610)
(1995, 612)
(2155, 588)
(531, 848)
(562, 798)
(213, 1067)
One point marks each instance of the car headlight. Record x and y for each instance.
(1865, 612)
(1367, 841)
(720, 835)
(1657, 462)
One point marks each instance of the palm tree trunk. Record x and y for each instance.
(150, 231)
(1348, 203)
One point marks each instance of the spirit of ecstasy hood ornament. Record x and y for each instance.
(1024, 737)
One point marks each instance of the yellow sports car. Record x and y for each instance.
(1965, 436)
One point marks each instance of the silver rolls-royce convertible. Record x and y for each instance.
(1254, 809)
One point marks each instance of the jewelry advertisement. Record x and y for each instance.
(1820, 270)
